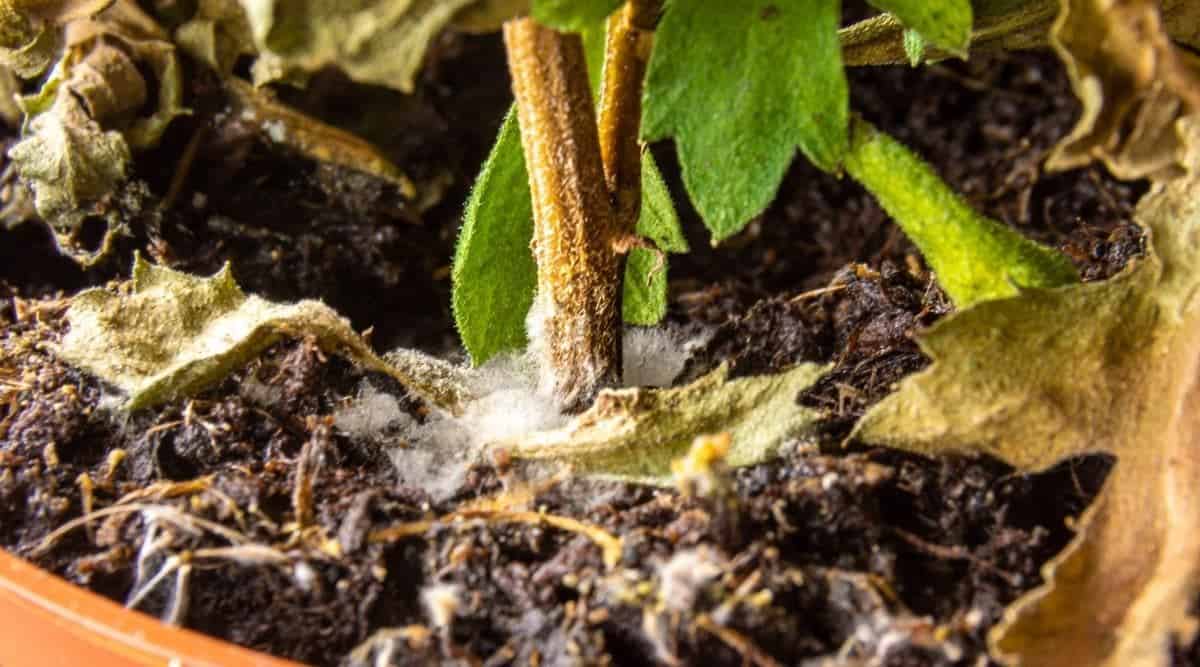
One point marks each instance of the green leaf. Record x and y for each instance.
(167, 334)
(740, 85)
(494, 273)
(573, 15)
(975, 258)
(594, 37)
(914, 47)
(945, 23)
(635, 434)
(644, 301)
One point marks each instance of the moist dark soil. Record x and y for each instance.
(878, 556)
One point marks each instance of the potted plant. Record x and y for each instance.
(610, 473)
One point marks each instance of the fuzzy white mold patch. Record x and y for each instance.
(374, 414)
(511, 400)
(655, 356)
(436, 454)
(683, 578)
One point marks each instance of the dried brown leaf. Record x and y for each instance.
(116, 87)
(312, 138)
(72, 164)
(1133, 83)
(382, 42)
(29, 35)
(217, 34)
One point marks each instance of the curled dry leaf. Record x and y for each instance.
(635, 434)
(374, 41)
(217, 34)
(72, 164)
(1133, 82)
(90, 112)
(488, 15)
(1055, 373)
(166, 334)
(29, 35)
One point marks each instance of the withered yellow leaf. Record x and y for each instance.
(1133, 83)
(374, 41)
(635, 434)
(71, 163)
(217, 34)
(1054, 373)
(167, 334)
(115, 88)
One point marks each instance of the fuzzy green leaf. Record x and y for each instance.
(975, 258)
(644, 301)
(914, 47)
(494, 272)
(740, 85)
(635, 434)
(945, 23)
(573, 15)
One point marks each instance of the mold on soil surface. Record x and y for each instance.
(870, 554)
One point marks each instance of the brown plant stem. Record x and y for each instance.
(576, 322)
(630, 37)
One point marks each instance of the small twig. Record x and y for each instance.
(183, 167)
(813, 293)
(165, 512)
(609, 544)
(953, 553)
(87, 497)
(174, 615)
(311, 137)
(152, 543)
(136, 596)
(165, 490)
(243, 554)
(307, 466)
(737, 641)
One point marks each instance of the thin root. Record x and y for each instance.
(610, 545)
(750, 653)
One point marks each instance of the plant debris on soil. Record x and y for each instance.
(249, 514)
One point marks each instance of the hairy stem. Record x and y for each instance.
(576, 321)
(627, 51)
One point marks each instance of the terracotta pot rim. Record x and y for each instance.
(46, 618)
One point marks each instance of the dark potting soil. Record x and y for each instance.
(879, 554)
